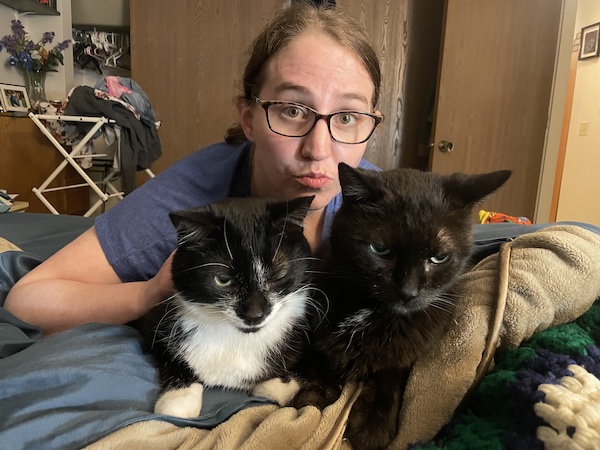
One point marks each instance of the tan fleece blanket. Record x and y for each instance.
(551, 276)
(6, 245)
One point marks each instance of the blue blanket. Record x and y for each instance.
(71, 389)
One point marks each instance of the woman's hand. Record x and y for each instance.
(158, 288)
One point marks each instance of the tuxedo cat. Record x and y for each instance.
(397, 244)
(238, 315)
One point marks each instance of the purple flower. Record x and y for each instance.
(9, 42)
(63, 45)
(12, 60)
(48, 37)
(17, 28)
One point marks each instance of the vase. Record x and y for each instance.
(35, 83)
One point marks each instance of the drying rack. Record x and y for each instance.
(70, 158)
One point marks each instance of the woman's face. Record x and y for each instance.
(316, 71)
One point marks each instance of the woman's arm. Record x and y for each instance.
(78, 285)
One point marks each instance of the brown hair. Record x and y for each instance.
(291, 23)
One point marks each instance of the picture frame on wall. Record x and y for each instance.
(590, 37)
(14, 98)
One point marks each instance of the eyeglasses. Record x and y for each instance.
(297, 120)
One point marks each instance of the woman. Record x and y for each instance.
(307, 65)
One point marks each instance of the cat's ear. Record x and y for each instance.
(471, 189)
(355, 186)
(197, 223)
(291, 212)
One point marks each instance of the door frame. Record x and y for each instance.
(548, 184)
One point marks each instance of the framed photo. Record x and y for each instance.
(14, 98)
(590, 36)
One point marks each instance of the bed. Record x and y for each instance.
(519, 369)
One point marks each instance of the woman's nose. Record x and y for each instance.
(317, 143)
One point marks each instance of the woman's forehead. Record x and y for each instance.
(313, 65)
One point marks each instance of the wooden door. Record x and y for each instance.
(494, 89)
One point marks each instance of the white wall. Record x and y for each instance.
(580, 187)
(57, 83)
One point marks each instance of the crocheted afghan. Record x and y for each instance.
(543, 394)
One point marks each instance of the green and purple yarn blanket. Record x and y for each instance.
(543, 394)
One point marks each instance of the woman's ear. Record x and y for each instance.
(245, 112)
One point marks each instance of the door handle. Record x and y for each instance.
(445, 146)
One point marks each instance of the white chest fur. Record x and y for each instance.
(220, 354)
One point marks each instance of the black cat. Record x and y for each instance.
(242, 288)
(397, 245)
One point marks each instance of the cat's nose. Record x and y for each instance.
(254, 309)
(408, 294)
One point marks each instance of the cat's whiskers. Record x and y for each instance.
(306, 258)
(225, 233)
(166, 313)
(445, 304)
(174, 333)
(281, 235)
(200, 266)
(189, 237)
(168, 299)
(317, 306)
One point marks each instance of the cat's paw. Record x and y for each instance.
(316, 394)
(278, 390)
(182, 402)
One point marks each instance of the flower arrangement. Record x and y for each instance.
(32, 56)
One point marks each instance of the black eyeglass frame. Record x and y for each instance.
(265, 105)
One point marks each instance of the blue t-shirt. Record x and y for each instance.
(137, 235)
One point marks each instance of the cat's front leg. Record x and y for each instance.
(278, 390)
(183, 402)
(373, 420)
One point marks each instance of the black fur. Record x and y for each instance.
(397, 245)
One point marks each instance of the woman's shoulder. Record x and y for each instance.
(218, 153)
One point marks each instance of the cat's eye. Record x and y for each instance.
(280, 275)
(223, 281)
(439, 259)
(379, 250)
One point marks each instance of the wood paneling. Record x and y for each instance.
(27, 158)
(387, 25)
(189, 57)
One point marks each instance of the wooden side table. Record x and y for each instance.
(26, 159)
(19, 206)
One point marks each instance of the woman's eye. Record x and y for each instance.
(379, 250)
(294, 112)
(223, 281)
(345, 119)
(439, 259)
